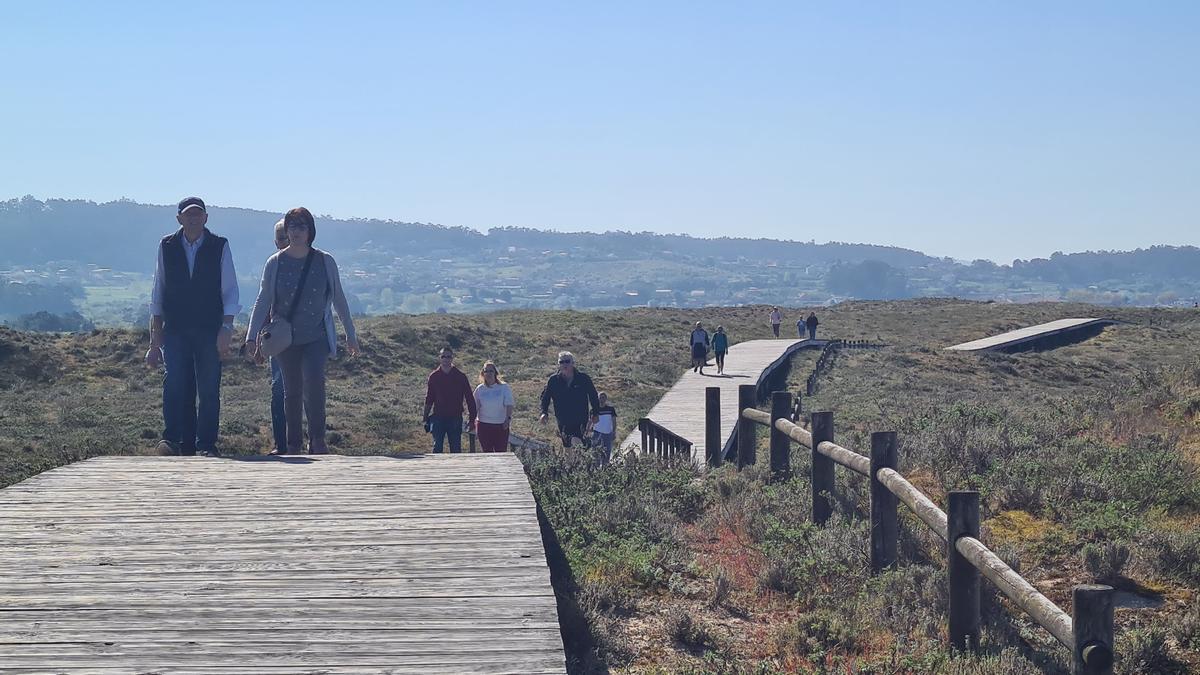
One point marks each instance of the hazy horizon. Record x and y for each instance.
(995, 132)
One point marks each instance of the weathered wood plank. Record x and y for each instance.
(430, 564)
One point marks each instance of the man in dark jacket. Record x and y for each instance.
(811, 324)
(575, 400)
(192, 305)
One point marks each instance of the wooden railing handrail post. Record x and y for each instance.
(781, 460)
(885, 521)
(746, 433)
(712, 426)
(1092, 625)
(964, 620)
(821, 426)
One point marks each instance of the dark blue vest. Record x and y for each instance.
(192, 303)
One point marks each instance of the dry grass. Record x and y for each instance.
(1076, 446)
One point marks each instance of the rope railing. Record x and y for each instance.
(1087, 632)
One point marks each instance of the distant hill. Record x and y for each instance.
(108, 234)
(65, 255)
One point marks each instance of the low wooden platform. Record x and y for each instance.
(681, 409)
(1015, 339)
(430, 564)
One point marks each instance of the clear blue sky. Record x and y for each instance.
(970, 129)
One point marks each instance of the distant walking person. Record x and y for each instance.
(811, 324)
(604, 430)
(278, 411)
(302, 283)
(192, 305)
(574, 396)
(699, 342)
(720, 345)
(494, 402)
(445, 393)
(776, 319)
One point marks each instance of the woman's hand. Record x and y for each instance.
(352, 347)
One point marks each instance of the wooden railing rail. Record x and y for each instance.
(1087, 632)
(661, 441)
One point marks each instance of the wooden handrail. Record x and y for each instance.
(1042, 609)
(660, 440)
(1096, 655)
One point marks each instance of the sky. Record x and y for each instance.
(995, 130)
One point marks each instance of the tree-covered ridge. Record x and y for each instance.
(97, 259)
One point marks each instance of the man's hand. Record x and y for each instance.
(154, 357)
(542, 419)
(595, 418)
(352, 347)
(224, 339)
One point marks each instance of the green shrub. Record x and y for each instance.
(1105, 561)
(1145, 650)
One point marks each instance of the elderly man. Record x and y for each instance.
(575, 400)
(192, 306)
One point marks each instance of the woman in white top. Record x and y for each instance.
(494, 400)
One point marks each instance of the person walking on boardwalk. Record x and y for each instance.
(776, 319)
(574, 397)
(302, 285)
(445, 393)
(278, 411)
(604, 431)
(720, 345)
(811, 324)
(494, 402)
(699, 344)
(193, 301)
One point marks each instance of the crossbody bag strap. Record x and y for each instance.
(299, 287)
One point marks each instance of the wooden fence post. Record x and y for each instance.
(1092, 621)
(822, 468)
(746, 437)
(712, 426)
(963, 521)
(885, 522)
(645, 435)
(781, 460)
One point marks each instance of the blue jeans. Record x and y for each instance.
(193, 371)
(447, 428)
(278, 416)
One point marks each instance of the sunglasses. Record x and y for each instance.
(566, 363)
(447, 356)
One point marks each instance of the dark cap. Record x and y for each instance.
(190, 202)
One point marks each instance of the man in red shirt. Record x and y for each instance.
(448, 388)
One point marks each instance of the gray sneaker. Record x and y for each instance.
(166, 448)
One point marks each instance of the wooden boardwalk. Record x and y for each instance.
(1015, 338)
(330, 564)
(681, 409)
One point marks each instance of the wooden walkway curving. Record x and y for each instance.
(331, 564)
(681, 409)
